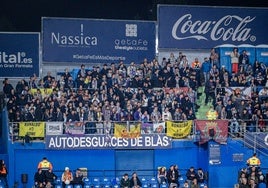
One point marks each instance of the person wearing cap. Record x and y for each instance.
(125, 182)
(66, 177)
(44, 165)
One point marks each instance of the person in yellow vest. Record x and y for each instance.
(254, 161)
(44, 165)
(212, 114)
(3, 173)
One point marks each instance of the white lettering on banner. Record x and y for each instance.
(221, 29)
(19, 57)
(75, 40)
(84, 142)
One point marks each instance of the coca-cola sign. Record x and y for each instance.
(205, 27)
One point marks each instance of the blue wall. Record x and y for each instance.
(24, 159)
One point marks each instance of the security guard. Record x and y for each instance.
(44, 165)
(254, 161)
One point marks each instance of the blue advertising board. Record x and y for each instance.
(97, 41)
(148, 141)
(19, 54)
(193, 27)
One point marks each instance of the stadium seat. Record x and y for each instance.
(116, 186)
(144, 180)
(163, 185)
(153, 182)
(87, 183)
(181, 180)
(145, 185)
(1, 184)
(96, 183)
(58, 183)
(68, 186)
(106, 182)
(77, 186)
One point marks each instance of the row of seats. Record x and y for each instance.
(97, 182)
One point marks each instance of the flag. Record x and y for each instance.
(179, 129)
(216, 130)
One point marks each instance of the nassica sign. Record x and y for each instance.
(19, 54)
(190, 27)
(97, 41)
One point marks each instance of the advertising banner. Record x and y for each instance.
(19, 54)
(97, 41)
(192, 27)
(148, 141)
(216, 130)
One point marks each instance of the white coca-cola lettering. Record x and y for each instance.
(223, 29)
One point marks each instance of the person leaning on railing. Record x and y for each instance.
(254, 161)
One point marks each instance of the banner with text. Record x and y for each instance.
(191, 27)
(97, 41)
(179, 129)
(148, 141)
(216, 130)
(33, 129)
(19, 54)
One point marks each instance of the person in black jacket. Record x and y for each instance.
(135, 181)
(172, 176)
(39, 179)
(125, 182)
(78, 178)
(50, 176)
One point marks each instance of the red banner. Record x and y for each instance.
(216, 130)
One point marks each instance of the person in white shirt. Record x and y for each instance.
(166, 115)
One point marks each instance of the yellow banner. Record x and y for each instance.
(179, 129)
(121, 131)
(33, 129)
(44, 91)
(135, 131)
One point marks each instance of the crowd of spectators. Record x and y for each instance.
(135, 92)
(251, 177)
